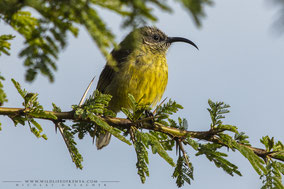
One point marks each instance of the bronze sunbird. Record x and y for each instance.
(138, 67)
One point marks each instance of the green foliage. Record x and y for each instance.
(217, 111)
(137, 109)
(163, 112)
(165, 140)
(272, 178)
(142, 156)
(21, 91)
(137, 12)
(192, 143)
(182, 172)
(140, 12)
(31, 104)
(46, 34)
(196, 8)
(44, 38)
(4, 44)
(3, 97)
(241, 138)
(150, 139)
(88, 120)
(32, 109)
(68, 137)
(141, 143)
(55, 108)
(92, 109)
(269, 170)
(37, 129)
(272, 146)
(159, 142)
(97, 103)
(42, 42)
(105, 126)
(182, 123)
(210, 151)
(256, 162)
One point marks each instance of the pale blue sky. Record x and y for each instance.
(240, 62)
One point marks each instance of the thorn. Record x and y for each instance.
(160, 105)
(86, 91)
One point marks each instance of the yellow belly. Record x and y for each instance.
(145, 78)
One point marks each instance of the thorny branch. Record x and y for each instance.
(126, 123)
(183, 151)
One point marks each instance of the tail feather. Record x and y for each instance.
(103, 140)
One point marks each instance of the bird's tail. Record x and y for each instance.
(103, 140)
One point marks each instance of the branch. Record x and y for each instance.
(184, 153)
(126, 123)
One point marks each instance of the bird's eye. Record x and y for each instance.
(156, 37)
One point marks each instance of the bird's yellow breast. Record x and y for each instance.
(144, 75)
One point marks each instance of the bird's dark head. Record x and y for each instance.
(157, 40)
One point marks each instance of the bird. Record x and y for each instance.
(138, 66)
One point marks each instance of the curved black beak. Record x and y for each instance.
(181, 39)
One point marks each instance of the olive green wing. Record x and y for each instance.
(105, 78)
(108, 73)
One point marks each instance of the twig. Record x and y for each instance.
(160, 105)
(184, 153)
